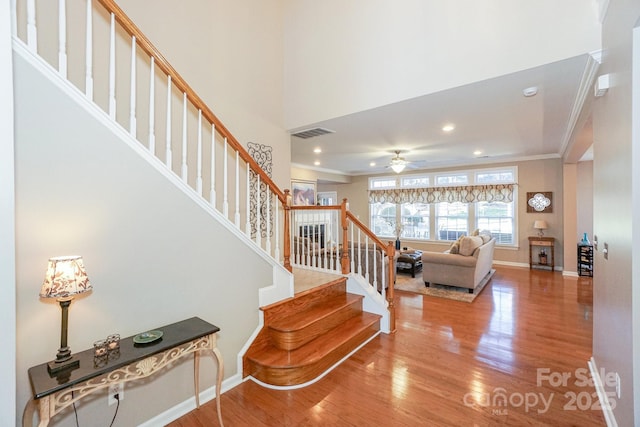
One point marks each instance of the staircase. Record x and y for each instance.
(307, 334)
(303, 335)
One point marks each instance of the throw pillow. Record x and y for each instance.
(470, 244)
(455, 248)
(485, 238)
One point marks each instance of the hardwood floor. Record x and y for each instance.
(450, 363)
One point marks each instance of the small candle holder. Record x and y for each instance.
(114, 354)
(100, 348)
(113, 343)
(100, 361)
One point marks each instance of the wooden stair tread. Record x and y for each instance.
(300, 302)
(315, 313)
(315, 350)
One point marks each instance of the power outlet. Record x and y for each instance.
(116, 389)
(618, 385)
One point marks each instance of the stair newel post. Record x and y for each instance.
(344, 256)
(391, 280)
(286, 243)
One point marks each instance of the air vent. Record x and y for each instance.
(310, 133)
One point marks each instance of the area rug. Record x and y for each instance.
(416, 285)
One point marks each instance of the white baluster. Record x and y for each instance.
(168, 159)
(225, 171)
(268, 219)
(366, 256)
(374, 253)
(353, 265)
(383, 276)
(32, 30)
(62, 38)
(247, 226)
(212, 190)
(88, 77)
(315, 232)
(152, 107)
(258, 209)
(112, 68)
(184, 137)
(276, 253)
(132, 95)
(337, 228)
(237, 210)
(199, 160)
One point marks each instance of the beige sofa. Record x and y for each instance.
(464, 269)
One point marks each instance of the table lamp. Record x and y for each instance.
(64, 279)
(540, 225)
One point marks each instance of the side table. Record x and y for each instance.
(51, 394)
(543, 243)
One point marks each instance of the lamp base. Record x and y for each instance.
(55, 367)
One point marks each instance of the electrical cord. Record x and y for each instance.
(117, 397)
(75, 411)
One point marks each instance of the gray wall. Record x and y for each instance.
(153, 255)
(614, 283)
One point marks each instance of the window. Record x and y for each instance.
(415, 220)
(383, 219)
(452, 220)
(438, 209)
(496, 217)
(452, 180)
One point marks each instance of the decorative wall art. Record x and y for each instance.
(304, 193)
(540, 202)
(262, 154)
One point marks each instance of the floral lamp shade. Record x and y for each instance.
(65, 277)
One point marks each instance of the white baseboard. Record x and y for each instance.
(189, 405)
(609, 418)
(521, 264)
(511, 264)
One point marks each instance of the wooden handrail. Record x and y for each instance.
(182, 85)
(366, 230)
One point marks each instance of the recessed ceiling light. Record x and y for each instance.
(317, 150)
(477, 153)
(372, 164)
(317, 163)
(448, 127)
(530, 91)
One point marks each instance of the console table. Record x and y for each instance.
(543, 242)
(51, 394)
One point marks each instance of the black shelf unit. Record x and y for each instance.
(585, 260)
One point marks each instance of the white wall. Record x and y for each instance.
(153, 255)
(343, 57)
(231, 53)
(613, 217)
(7, 218)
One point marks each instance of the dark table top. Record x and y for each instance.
(413, 256)
(174, 335)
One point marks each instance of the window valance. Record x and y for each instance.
(464, 194)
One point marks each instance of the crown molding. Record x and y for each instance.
(594, 59)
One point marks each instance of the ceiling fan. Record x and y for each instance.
(398, 164)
